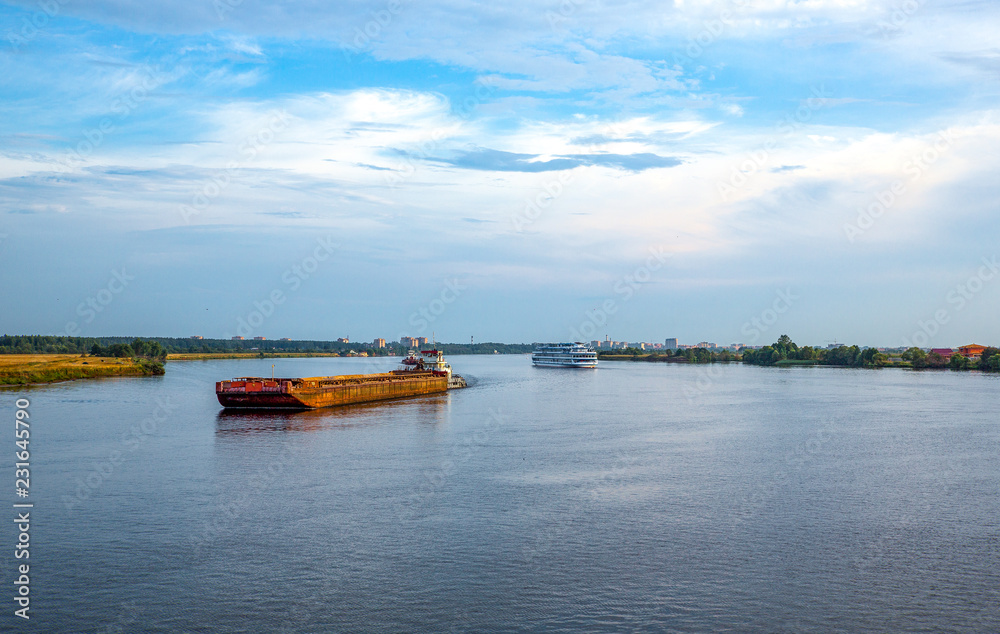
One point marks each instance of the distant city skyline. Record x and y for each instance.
(715, 171)
(670, 343)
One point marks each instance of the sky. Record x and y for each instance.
(722, 171)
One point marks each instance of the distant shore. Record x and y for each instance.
(27, 369)
(608, 356)
(197, 356)
(656, 358)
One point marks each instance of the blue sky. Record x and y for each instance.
(504, 172)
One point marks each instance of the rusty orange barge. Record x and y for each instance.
(424, 374)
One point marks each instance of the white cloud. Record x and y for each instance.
(337, 155)
(243, 45)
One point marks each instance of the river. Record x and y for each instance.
(633, 497)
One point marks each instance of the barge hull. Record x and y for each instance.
(316, 392)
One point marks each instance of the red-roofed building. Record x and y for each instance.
(972, 351)
(944, 352)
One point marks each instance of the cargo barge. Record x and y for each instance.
(426, 373)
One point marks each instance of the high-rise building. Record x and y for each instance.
(671, 343)
(378, 343)
(421, 341)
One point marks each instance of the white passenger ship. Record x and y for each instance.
(564, 355)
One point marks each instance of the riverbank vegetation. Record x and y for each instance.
(138, 348)
(687, 355)
(202, 356)
(786, 352)
(51, 344)
(138, 358)
(25, 369)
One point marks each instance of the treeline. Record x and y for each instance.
(687, 355)
(786, 352)
(483, 348)
(51, 344)
(44, 344)
(989, 361)
(138, 348)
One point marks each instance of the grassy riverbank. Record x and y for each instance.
(24, 369)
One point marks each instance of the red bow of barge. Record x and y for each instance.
(426, 374)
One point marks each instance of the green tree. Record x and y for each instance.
(872, 358)
(120, 350)
(988, 354)
(156, 351)
(787, 349)
(958, 362)
(934, 360)
(916, 357)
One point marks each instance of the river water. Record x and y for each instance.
(633, 497)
